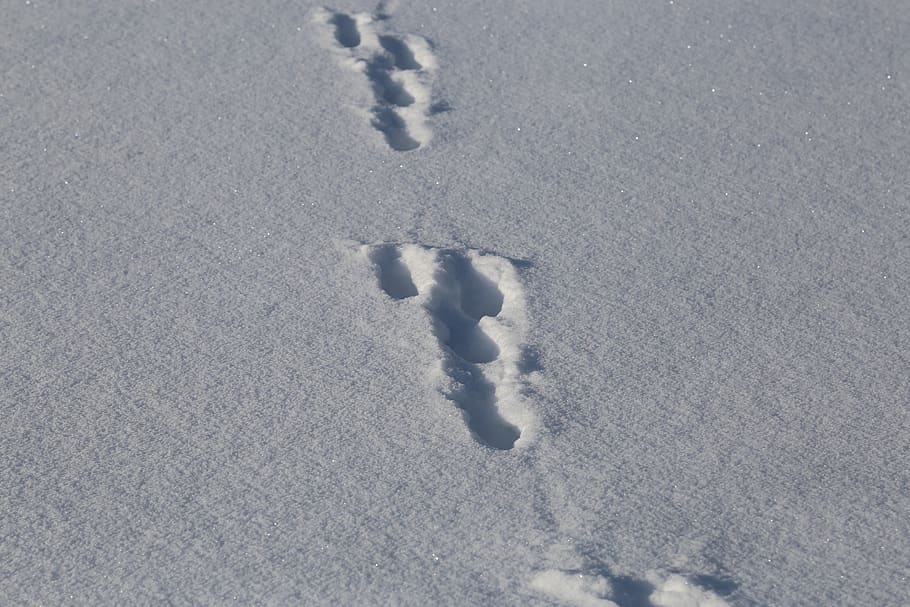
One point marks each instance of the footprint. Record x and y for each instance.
(346, 32)
(601, 589)
(388, 122)
(400, 52)
(476, 308)
(399, 69)
(394, 277)
(386, 89)
(463, 299)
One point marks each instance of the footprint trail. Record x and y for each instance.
(476, 307)
(399, 68)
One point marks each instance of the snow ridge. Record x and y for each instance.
(400, 69)
(476, 305)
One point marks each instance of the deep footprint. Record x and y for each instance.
(457, 297)
(477, 398)
(346, 32)
(385, 88)
(393, 127)
(400, 52)
(394, 277)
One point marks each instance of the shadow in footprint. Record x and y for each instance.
(385, 88)
(469, 296)
(628, 591)
(390, 124)
(466, 297)
(394, 277)
(400, 52)
(625, 591)
(389, 93)
(461, 333)
(477, 398)
(346, 32)
(631, 592)
(479, 296)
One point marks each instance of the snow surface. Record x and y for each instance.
(474, 303)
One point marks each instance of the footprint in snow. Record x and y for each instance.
(399, 69)
(476, 307)
(601, 589)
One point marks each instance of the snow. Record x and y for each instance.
(601, 303)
